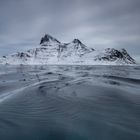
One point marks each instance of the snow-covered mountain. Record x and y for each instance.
(52, 51)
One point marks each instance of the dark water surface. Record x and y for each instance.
(69, 103)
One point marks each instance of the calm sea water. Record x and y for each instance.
(69, 103)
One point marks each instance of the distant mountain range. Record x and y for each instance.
(52, 51)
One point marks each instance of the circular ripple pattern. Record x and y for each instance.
(69, 102)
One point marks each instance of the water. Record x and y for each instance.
(69, 103)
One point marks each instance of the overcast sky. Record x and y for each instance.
(97, 23)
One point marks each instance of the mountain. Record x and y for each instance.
(117, 56)
(52, 51)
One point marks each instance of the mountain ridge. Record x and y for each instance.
(52, 51)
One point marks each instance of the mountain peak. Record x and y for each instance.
(123, 51)
(77, 41)
(47, 40)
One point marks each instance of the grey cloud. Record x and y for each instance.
(98, 23)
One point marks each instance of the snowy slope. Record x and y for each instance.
(52, 51)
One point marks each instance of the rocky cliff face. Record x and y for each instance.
(113, 55)
(52, 51)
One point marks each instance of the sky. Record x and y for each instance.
(97, 23)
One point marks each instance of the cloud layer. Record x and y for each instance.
(98, 23)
